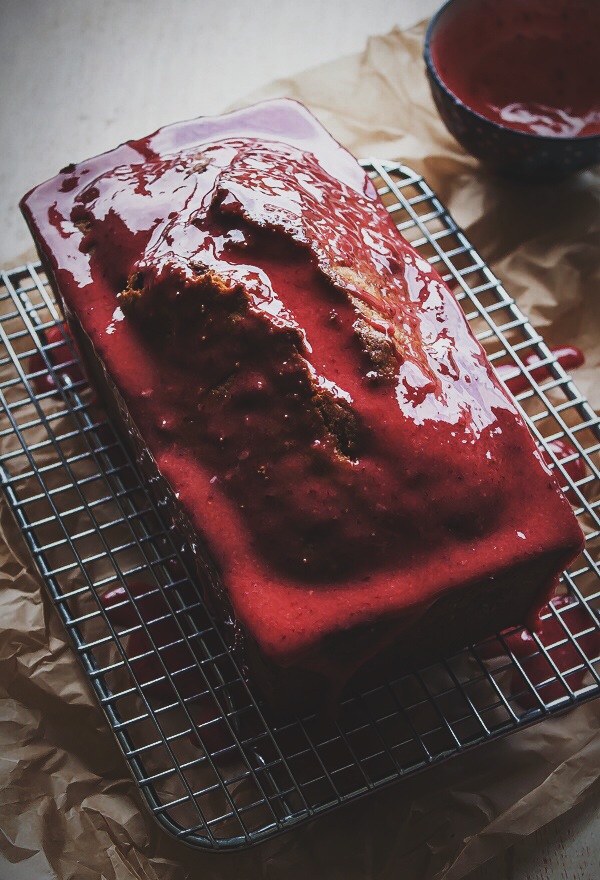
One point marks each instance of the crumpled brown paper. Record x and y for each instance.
(68, 808)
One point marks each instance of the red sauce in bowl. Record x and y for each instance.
(530, 65)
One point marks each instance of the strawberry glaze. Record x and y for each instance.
(60, 354)
(149, 604)
(573, 463)
(164, 637)
(568, 356)
(557, 639)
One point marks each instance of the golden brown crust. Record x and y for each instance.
(379, 350)
(340, 422)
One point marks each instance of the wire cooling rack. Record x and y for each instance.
(216, 769)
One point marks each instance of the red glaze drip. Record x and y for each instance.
(317, 519)
(576, 468)
(537, 668)
(529, 66)
(212, 732)
(566, 656)
(150, 604)
(61, 357)
(568, 356)
(121, 611)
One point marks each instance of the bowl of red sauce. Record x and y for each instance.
(517, 82)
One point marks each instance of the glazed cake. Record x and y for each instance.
(337, 451)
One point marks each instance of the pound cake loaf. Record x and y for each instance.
(337, 451)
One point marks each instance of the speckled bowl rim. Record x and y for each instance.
(525, 135)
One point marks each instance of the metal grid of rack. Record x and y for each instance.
(216, 768)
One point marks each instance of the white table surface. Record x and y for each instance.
(78, 76)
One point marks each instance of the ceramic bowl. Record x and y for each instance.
(517, 82)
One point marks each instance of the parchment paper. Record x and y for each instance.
(68, 808)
